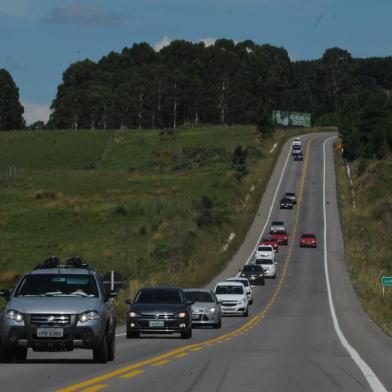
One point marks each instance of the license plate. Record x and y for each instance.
(156, 323)
(50, 332)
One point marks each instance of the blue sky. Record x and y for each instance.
(39, 39)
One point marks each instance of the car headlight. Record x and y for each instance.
(181, 315)
(212, 309)
(90, 315)
(14, 315)
(134, 314)
(242, 302)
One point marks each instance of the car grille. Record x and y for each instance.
(50, 319)
(229, 303)
(157, 316)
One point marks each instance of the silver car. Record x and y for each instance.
(205, 309)
(58, 308)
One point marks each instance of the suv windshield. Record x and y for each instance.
(158, 297)
(264, 249)
(229, 290)
(251, 268)
(58, 285)
(245, 282)
(264, 261)
(199, 296)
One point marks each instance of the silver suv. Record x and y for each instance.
(58, 308)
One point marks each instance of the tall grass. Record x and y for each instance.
(159, 209)
(368, 233)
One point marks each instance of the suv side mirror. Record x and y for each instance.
(190, 302)
(128, 302)
(110, 294)
(5, 293)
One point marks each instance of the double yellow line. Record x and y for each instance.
(135, 369)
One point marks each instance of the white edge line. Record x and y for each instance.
(374, 383)
(271, 207)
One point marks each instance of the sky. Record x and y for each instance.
(39, 39)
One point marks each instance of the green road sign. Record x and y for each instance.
(386, 280)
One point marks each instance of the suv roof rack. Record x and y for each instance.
(55, 262)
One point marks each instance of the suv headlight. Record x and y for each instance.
(212, 309)
(90, 315)
(181, 314)
(134, 314)
(14, 315)
(242, 302)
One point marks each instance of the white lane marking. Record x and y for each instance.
(371, 378)
(273, 148)
(271, 207)
(121, 334)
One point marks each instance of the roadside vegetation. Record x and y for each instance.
(159, 209)
(366, 213)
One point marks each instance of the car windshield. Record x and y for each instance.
(229, 289)
(199, 296)
(251, 268)
(286, 200)
(158, 297)
(308, 236)
(264, 249)
(264, 261)
(289, 194)
(277, 223)
(58, 285)
(245, 281)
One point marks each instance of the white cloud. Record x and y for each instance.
(36, 112)
(165, 41)
(208, 41)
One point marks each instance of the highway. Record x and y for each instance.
(306, 330)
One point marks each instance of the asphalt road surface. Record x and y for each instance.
(306, 330)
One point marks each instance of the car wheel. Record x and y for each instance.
(274, 277)
(246, 313)
(112, 348)
(133, 334)
(263, 282)
(251, 302)
(101, 353)
(187, 334)
(20, 354)
(6, 354)
(218, 325)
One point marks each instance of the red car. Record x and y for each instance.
(308, 240)
(270, 241)
(281, 237)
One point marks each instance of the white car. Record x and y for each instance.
(248, 286)
(277, 226)
(232, 298)
(296, 142)
(269, 266)
(265, 251)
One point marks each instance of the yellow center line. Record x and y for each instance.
(132, 374)
(220, 339)
(182, 355)
(95, 388)
(160, 363)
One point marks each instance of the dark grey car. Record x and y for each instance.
(159, 310)
(58, 308)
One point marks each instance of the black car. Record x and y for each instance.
(299, 157)
(286, 203)
(254, 273)
(292, 196)
(159, 310)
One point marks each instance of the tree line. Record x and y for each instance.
(186, 84)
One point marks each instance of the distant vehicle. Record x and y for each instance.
(270, 241)
(265, 251)
(159, 310)
(292, 196)
(277, 226)
(254, 273)
(298, 157)
(233, 298)
(247, 285)
(58, 307)
(308, 240)
(286, 203)
(205, 309)
(296, 144)
(281, 237)
(269, 267)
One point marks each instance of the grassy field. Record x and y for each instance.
(367, 226)
(158, 208)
